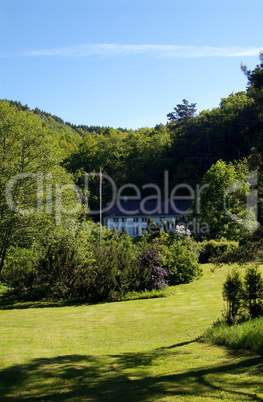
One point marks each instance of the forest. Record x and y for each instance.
(49, 243)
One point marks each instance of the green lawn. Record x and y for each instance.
(140, 350)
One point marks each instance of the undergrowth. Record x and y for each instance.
(169, 291)
(247, 335)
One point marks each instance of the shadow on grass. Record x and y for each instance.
(9, 304)
(126, 377)
(9, 301)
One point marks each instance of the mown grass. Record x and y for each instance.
(247, 336)
(140, 350)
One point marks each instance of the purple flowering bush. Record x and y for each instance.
(151, 266)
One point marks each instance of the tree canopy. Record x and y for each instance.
(39, 154)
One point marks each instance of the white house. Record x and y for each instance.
(132, 216)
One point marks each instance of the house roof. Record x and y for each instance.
(148, 208)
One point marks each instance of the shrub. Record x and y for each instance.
(71, 266)
(114, 270)
(216, 248)
(243, 295)
(20, 269)
(51, 268)
(153, 274)
(232, 293)
(253, 291)
(181, 260)
(64, 260)
(179, 250)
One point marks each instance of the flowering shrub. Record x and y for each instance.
(181, 232)
(151, 263)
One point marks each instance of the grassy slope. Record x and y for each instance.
(141, 350)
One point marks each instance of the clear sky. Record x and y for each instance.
(125, 63)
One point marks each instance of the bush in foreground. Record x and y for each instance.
(242, 325)
(244, 296)
(232, 293)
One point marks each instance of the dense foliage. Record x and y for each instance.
(212, 250)
(72, 265)
(48, 245)
(244, 294)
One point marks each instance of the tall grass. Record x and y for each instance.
(247, 336)
(149, 294)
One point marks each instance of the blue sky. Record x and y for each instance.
(125, 63)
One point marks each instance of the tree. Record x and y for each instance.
(232, 293)
(253, 291)
(199, 141)
(26, 154)
(224, 196)
(182, 112)
(255, 130)
(255, 85)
